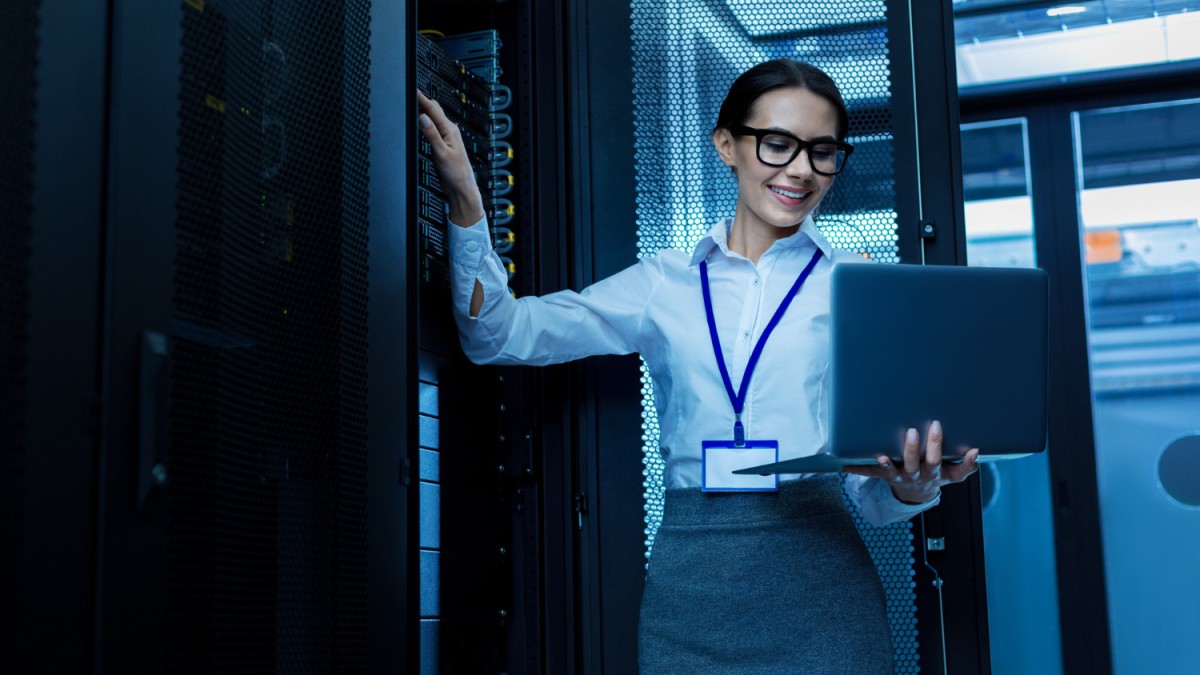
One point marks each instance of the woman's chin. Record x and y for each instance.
(788, 223)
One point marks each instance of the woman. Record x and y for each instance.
(776, 580)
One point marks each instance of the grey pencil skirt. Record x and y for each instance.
(762, 583)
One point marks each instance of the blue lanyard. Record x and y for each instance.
(739, 399)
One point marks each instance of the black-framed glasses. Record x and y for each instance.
(779, 148)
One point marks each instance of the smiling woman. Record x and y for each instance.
(803, 572)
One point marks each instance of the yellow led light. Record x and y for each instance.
(214, 103)
(197, 5)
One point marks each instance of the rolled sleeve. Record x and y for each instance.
(605, 318)
(470, 247)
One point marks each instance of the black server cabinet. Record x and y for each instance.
(232, 506)
(493, 460)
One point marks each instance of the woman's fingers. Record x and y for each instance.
(957, 473)
(933, 446)
(435, 126)
(916, 471)
(912, 452)
(882, 469)
(450, 158)
(886, 470)
(431, 108)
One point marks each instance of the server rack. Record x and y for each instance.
(493, 455)
(468, 511)
(192, 386)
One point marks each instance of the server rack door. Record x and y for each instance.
(949, 562)
(610, 390)
(392, 384)
(138, 274)
(233, 506)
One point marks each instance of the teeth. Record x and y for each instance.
(786, 193)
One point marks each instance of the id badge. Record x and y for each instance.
(719, 459)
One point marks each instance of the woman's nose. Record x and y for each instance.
(800, 166)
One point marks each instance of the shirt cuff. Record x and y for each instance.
(468, 245)
(900, 508)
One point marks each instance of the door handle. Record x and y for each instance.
(154, 417)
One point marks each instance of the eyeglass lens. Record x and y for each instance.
(779, 150)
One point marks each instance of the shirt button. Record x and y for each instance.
(746, 334)
(472, 246)
(756, 281)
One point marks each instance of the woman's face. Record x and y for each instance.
(771, 197)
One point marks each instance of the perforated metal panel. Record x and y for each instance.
(892, 549)
(686, 54)
(268, 468)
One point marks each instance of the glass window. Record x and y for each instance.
(1018, 529)
(996, 44)
(1138, 184)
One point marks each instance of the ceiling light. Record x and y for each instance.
(1065, 10)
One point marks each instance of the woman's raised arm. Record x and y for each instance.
(458, 178)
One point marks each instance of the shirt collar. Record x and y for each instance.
(718, 237)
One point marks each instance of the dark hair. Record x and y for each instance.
(752, 84)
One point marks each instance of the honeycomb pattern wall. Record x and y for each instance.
(686, 54)
(892, 548)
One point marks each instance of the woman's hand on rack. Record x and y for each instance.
(453, 165)
(920, 479)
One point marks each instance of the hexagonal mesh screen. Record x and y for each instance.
(686, 54)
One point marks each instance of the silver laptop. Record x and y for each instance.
(911, 344)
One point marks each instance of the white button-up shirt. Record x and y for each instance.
(656, 308)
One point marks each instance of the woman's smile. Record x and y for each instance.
(790, 196)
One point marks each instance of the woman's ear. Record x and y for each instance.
(723, 142)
